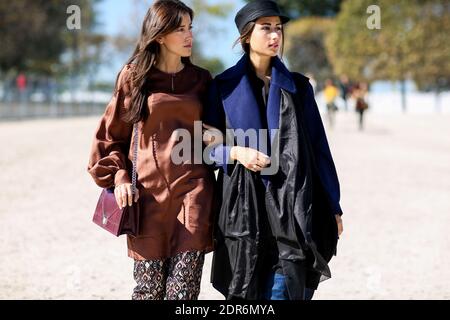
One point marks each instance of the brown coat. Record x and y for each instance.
(175, 200)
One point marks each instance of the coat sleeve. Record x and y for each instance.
(322, 154)
(215, 116)
(110, 147)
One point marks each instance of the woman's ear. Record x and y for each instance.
(160, 40)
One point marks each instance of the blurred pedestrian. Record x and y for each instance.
(21, 82)
(360, 94)
(344, 86)
(21, 85)
(331, 92)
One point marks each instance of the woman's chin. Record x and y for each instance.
(187, 53)
(272, 52)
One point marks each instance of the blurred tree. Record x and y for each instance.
(84, 46)
(352, 46)
(23, 35)
(305, 47)
(431, 48)
(408, 46)
(213, 65)
(304, 8)
(204, 31)
(36, 41)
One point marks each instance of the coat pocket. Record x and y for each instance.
(199, 204)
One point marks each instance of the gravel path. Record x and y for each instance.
(395, 180)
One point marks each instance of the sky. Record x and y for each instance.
(114, 15)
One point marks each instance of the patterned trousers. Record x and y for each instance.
(176, 278)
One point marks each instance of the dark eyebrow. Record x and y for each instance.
(269, 24)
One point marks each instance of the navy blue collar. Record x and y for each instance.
(240, 104)
(281, 76)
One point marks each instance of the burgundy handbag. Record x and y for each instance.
(109, 216)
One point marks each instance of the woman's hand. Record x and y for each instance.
(250, 158)
(212, 135)
(124, 195)
(340, 224)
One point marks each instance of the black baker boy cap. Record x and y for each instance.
(258, 9)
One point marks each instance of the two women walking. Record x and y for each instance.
(273, 211)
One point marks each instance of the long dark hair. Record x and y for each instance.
(247, 33)
(162, 18)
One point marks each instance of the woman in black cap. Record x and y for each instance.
(280, 217)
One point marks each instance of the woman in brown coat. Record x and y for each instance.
(161, 91)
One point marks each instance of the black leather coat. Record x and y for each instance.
(298, 207)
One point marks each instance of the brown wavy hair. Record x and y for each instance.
(162, 18)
